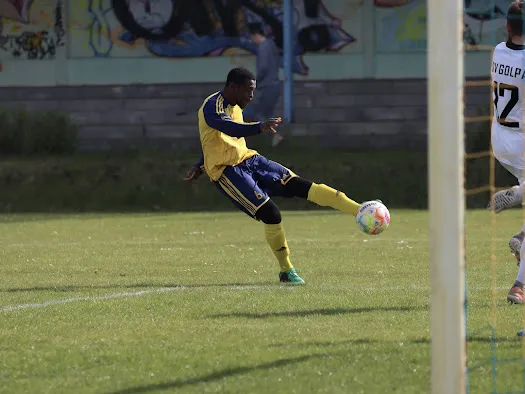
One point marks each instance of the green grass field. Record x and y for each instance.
(190, 303)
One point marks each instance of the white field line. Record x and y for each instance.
(125, 295)
(93, 298)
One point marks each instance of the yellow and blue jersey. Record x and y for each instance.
(222, 131)
(248, 179)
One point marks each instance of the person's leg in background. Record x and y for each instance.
(509, 198)
(269, 101)
(263, 108)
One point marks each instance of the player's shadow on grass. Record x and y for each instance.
(219, 375)
(322, 312)
(371, 341)
(351, 342)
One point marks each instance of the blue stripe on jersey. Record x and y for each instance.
(216, 117)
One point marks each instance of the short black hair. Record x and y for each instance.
(515, 18)
(255, 28)
(239, 76)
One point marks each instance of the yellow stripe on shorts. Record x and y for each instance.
(237, 191)
(236, 197)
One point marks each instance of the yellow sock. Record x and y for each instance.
(276, 239)
(325, 196)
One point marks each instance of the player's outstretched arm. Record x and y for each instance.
(221, 121)
(196, 171)
(225, 124)
(193, 174)
(270, 125)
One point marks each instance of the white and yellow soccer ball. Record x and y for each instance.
(373, 217)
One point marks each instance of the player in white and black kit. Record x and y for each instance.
(508, 129)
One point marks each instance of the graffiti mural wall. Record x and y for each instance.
(151, 41)
(182, 29)
(402, 24)
(31, 30)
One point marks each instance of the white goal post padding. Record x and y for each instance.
(446, 194)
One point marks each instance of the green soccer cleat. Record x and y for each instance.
(291, 277)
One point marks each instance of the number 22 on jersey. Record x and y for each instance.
(502, 111)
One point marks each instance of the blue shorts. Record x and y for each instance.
(250, 184)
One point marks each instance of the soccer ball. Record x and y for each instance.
(373, 217)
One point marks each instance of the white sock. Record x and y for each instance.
(520, 189)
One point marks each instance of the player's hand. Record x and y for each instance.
(270, 125)
(193, 174)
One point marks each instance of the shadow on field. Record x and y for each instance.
(371, 341)
(488, 339)
(323, 312)
(219, 375)
(358, 341)
(72, 288)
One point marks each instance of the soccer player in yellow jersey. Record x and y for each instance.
(247, 178)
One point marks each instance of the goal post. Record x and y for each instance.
(446, 195)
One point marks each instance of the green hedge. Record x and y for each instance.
(36, 133)
(149, 182)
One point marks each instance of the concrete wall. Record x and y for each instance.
(124, 73)
(365, 114)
